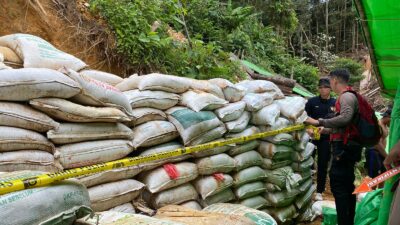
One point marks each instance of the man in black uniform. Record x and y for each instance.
(316, 108)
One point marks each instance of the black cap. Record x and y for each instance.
(324, 82)
(387, 113)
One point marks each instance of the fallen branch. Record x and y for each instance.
(279, 80)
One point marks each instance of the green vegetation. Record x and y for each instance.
(213, 30)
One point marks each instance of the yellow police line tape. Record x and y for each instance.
(45, 179)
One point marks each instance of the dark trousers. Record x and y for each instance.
(342, 182)
(324, 155)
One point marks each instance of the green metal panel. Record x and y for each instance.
(380, 20)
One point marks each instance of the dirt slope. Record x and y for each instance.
(62, 25)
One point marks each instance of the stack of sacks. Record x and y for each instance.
(92, 139)
(302, 163)
(169, 184)
(23, 143)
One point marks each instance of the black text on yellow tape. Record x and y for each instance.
(45, 179)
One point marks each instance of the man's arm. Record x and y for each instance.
(348, 103)
(393, 157)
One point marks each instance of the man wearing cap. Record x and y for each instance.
(320, 107)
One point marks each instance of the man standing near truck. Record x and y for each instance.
(320, 107)
(345, 151)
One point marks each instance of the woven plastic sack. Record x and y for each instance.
(214, 184)
(213, 151)
(281, 139)
(205, 86)
(239, 124)
(68, 111)
(304, 140)
(259, 86)
(221, 197)
(110, 195)
(247, 159)
(130, 83)
(192, 205)
(78, 132)
(303, 166)
(38, 53)
(22, 116)
(249, 190)
(191, 124)
(108, 78)
(110, 176)
(174, 196)
(120, 218)
(92, 152)
(248, 175)
(283, 177)
(167, 147)
(301, 156)
(305, 198)
(221, 163)
(169, 176)
(143, 115)
(258, 217)
(97, 93)
(14, 139)
(255, 202)
(231, 92)
(153, 133)
(267, 116)
(247, 132)
(162, 82)
(36, 83)
(283, 215)
(281, 199)
(245, 147)
(28, 160)
(292, 107)
(270, 164)
(124, 208)
(201, 101)
(275, 152)
(231, 111)
(255, 102)
(152, 99)
(58, 204)
(211, 135)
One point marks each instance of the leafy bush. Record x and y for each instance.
(149, 50)
(352, 66)
(216, 28)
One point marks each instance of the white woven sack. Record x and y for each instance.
(108, 78)
(68, 111)
(78, 132)
(23, 116)
(92, 152)
(109, 195)
(35, 83)
(38, 53)
(201, 101)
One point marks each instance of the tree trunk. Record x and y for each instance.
(327, 22)
(278, 80)
(344, 25)
(353, 37)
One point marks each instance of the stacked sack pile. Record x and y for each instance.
(55, 118)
